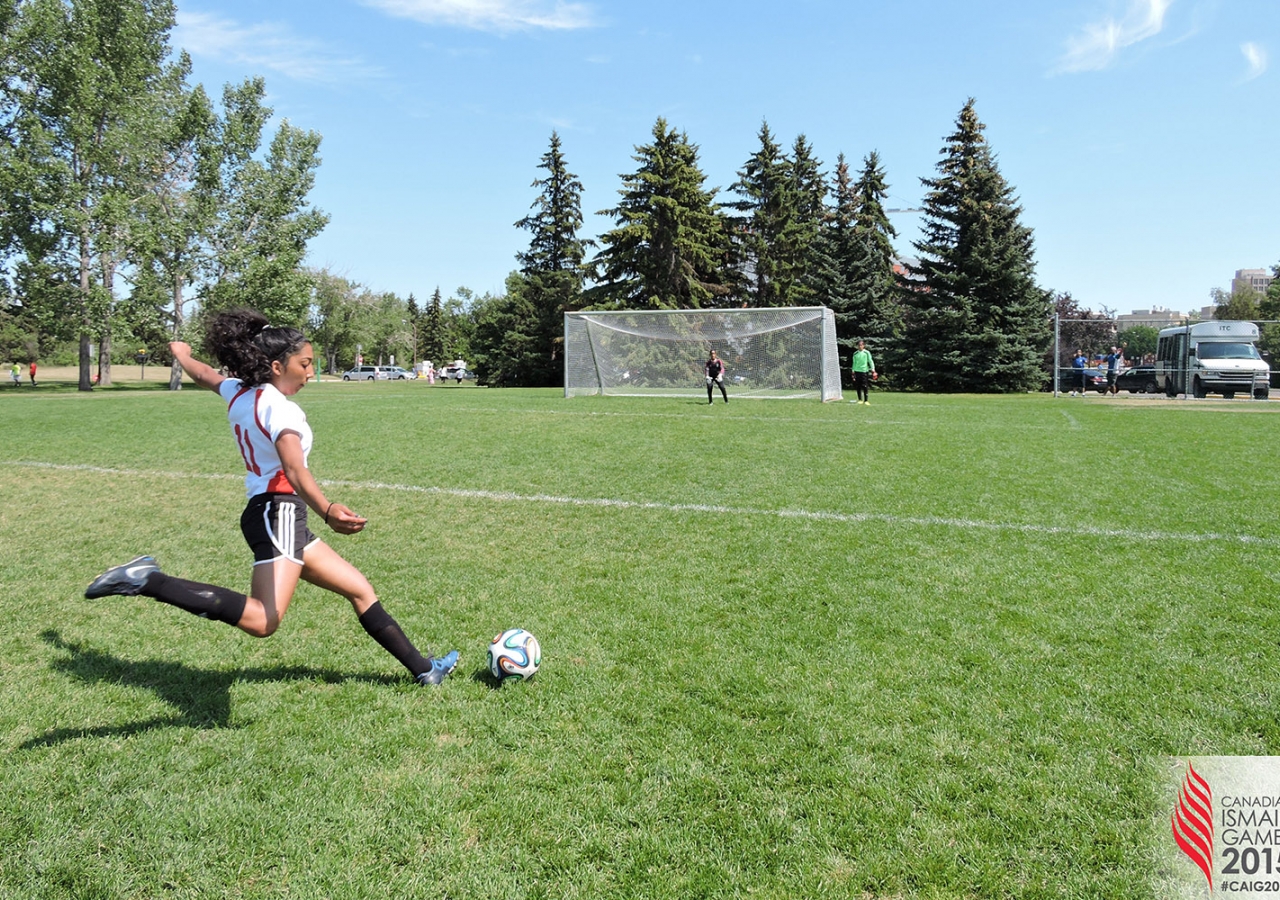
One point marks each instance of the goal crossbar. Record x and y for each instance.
(780, 353)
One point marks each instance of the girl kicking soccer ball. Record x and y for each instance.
(268, 366)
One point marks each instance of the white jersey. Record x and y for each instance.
(258, 416)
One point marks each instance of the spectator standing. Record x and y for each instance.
(1115, 362)
(1078, 365)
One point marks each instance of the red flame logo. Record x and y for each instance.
(1193, 822)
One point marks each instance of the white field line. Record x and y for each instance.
(1190, 537)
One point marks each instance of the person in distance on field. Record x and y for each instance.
(33, 373)
(1078, 363)
(267, 367)
(16, 374)
(714, 370)
(864, 369)
(1115, 363)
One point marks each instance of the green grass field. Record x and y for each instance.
(938, 647)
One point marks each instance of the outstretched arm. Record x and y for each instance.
(202, 374)
(337, 516)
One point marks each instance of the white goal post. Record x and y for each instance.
(787, 352)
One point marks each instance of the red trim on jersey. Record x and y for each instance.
(246, 451)
(279, 484)
(240, 393)
(257, 398)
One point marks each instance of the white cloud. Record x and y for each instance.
(490, 15)
(1256, 56)
(1099, 43)
(268, 46)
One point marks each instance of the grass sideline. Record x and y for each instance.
(936, 647)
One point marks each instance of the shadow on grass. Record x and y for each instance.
(203, 697)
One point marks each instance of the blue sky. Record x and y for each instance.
(1141, 136)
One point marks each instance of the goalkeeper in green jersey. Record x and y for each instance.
(864, 370)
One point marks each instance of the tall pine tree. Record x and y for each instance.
(549, 283)
(871, 274)
(978, 322)
(670, 247)
(770, 237)
(859, 283)
(432, 336)
(810, 188)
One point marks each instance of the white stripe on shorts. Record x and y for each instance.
(283, 536)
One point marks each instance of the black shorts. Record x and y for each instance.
(275, 527)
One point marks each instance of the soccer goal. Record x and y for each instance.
(789, 352)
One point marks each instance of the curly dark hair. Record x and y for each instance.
(243, 342)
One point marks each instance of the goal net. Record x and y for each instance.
(788, 352)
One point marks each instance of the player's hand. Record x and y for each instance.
(180, 348)
(343, 520)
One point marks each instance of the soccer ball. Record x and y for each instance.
(515, 655)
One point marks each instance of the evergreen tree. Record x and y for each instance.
(554, 245)
(860, 285)
(978, 322)
(876, 309)
(839, 254)
(771, 238)
(810, 188)
(549, 283)
(415, 322)
(433, 336)
(505, 347)
(670, 247)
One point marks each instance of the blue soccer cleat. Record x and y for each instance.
(441, 666)
(124, 581)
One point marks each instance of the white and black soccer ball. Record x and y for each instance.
(514, 655)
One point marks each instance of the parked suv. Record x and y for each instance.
(365, 373)
(397, 373)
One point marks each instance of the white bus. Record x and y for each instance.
(1212, 357)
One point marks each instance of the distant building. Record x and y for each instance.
(1156, 317)
(1258, 279)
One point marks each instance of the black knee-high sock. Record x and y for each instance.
(383, 629)
(205, 600)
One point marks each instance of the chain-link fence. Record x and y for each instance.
(1190, 358)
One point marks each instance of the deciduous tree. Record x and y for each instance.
(74, 104)
(263, 222)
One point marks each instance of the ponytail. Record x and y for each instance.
(245, 344)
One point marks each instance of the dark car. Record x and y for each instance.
(1138, 380)
(1069, 380)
